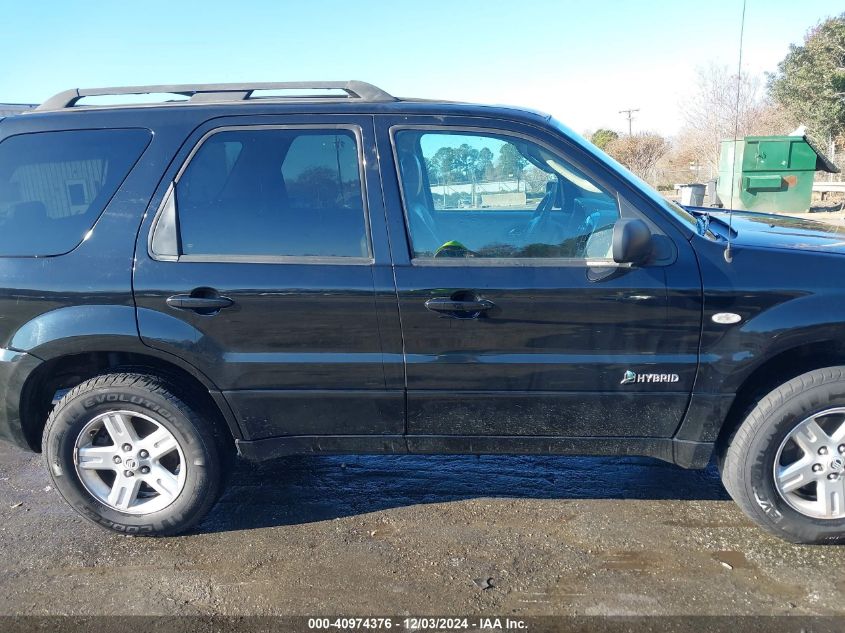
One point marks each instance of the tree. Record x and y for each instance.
(714, 113)
(639, 152)
(465, 163)
(810, 81)
(320, 184)
(442, 165)
(602, 137)
(511, 163)
(485, 163)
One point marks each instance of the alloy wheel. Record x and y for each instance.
(130, 462)
(809, 469)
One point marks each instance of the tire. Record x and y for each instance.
(160, 479)
(777, 448)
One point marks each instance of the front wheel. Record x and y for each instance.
(785, 466)
(129, 455)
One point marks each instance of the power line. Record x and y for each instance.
(629, 114)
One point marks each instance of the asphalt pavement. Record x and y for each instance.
(413, 535)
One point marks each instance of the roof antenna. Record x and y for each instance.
(728, 254)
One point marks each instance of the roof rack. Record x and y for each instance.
(213, 93)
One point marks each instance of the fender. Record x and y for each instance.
(810, 319)
(790, 299)
(93, 328)
(103, 328)
(78, 329)
(15, 368)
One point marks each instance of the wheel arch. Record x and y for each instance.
(64, 370)
(770, 374)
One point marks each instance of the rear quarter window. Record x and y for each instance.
(54, 185)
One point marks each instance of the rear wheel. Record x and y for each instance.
(785, 466)
(131, 456)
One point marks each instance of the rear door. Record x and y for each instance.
(260, 267)
(515, 319)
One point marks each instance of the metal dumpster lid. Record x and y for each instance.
(823, 163)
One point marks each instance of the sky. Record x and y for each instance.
(580, 61)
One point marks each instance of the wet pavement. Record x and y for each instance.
(419, 535)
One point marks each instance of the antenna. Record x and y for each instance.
(728, 254)
(629, 114)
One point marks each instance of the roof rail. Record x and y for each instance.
(211, 93)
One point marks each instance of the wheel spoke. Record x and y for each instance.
(120, 429)
(839, 434)
(810, 436)
(796, 475)
(162, 481)
(150, 472)
(124, 491)
(830, 495)
(821, 462)
(96, 457)
(159, 443)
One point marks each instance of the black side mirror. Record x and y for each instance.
(632, 241)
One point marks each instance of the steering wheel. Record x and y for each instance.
(548, 201)
(542, 211)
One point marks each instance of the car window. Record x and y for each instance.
(273, 192)
(54, 185)
(471, 194)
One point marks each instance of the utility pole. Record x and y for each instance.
(629, 114)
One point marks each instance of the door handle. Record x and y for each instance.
(192, 302)
(445, 304)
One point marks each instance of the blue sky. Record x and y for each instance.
(581, 61)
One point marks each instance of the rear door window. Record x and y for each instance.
(270, 193)
(54, 185)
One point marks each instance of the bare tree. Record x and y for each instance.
(639, 152)
(714, 113)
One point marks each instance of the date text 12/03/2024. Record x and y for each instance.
(418, 624)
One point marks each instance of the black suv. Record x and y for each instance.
(271, 269)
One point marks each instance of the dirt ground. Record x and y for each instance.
(419, 535)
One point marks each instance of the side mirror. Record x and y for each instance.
(632, 241)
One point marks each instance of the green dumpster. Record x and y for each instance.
(770, 173)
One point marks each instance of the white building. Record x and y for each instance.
(8, 109)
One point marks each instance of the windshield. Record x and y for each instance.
(647, 190)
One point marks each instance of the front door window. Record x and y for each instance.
(488, 195)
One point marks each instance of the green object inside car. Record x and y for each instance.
(453, 248)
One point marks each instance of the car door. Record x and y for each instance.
(264, 264)
(515, 320)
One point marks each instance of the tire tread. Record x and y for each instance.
(165, 389)
(738, 454)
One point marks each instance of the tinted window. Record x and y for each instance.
(273, 192)
(469, 194)
(54, 185)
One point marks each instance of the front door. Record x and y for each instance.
(262, 269)
(515, 319)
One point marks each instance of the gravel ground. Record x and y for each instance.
(419, 535)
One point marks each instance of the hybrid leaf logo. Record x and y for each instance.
(631, 377)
